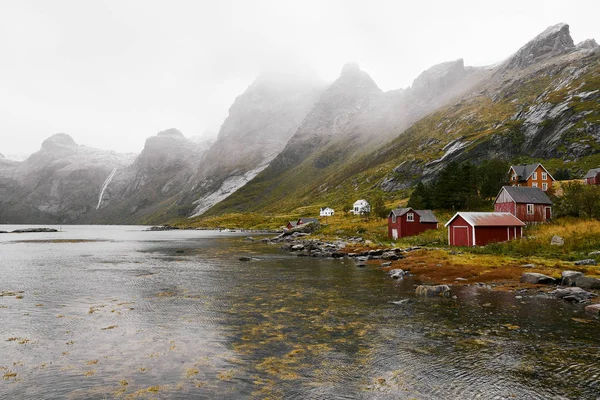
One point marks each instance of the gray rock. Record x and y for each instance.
(390, 255)
(297, 247)
(594, 253)
(529, 266)
(588, 261)
(586, 282)
(534, 277)
(432, 291)
(397, 274)
(557, 241)
(386, 264)
(245, 259)
(593, 309)
(574, 294)
(569, 277)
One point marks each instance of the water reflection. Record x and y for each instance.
(177, 315)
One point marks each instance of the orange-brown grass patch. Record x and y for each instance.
(439, 266)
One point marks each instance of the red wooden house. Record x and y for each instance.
(407, 222)
(529, 204)
(592, 177)
(531, 175)
(481, 228)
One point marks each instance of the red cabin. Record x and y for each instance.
(529, 204)
(592, 177)
(407, 222)
(481, 228)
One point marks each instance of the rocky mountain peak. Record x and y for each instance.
(172, 133)
(353, 79)
(588, 44)
(553, 41)
(438, 78)
(58, 141)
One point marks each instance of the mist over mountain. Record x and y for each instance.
(293, 140)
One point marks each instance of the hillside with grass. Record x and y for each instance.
(541, 104)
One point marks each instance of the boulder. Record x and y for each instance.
(594, 253)
(390, 255)
(432, 291)
(593, 309)
(529, 266)
(587, 261)
(557, 241)
(386, 264)
(297, 247)
(586, 282)
(245, 259)
(574, 294)
(534, 277)
(397, 274)
(569, 277)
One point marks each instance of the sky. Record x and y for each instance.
(113, 73)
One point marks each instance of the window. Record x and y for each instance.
(544, 186)
(544, 176)
(394, 218)
(534, 184)
(529, 209)
(534, 176)
(410, 217)
(514, 177)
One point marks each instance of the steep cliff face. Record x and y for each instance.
(154, 181)
(58, 184)
(260, 123)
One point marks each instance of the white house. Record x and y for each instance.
(326, 212)
(360, 207)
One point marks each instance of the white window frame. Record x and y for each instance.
(534, 184)
(410, 217)
(394, 218)
(544, 186)
(544, 176)
(534, 176)
(530, 209)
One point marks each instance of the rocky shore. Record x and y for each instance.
(573, 286)
(31, 230)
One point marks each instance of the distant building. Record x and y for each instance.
(529, 204)
(404, 222)
(303, 221)
(361, 207)
(592, 177)
(291, 224)
(481, 228)
(326, 212)
(531, 175)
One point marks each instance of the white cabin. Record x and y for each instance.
(326, 212)
(360, 207)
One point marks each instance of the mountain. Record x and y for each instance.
(57, 184)
(259, 124)
(541, 102)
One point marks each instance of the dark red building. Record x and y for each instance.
(407, 222)
(529, 204)
(481, 228)
(592, 177)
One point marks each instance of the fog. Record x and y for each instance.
(112, 73)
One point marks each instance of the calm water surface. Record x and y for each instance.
(97, 312)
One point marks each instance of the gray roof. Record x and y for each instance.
(307, 220)
(524, 171)
(531, 195)
(426, 215)
(592, 173)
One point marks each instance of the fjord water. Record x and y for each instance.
(100, 312)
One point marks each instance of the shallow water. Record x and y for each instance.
(118, 312)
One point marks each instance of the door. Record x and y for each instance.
(548, 213)
(461, 235)
(394, 233)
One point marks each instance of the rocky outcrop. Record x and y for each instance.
(554, 41)
(537, 278)
(588, 44)
(569, 277)
(574, 294)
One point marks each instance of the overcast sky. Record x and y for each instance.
(112, 73)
